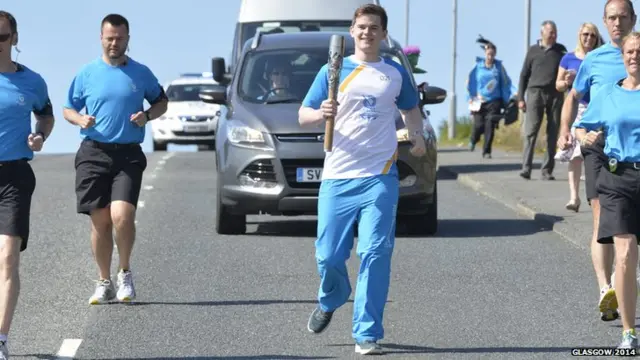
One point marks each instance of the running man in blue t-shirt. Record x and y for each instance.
(614, 114)
(600, 67)
(110, 162)
(22, 92)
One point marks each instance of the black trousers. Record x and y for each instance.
(17, 185)
(594, 161)
(619, 195)
(485, 122)
(106, 173)
(541, 102)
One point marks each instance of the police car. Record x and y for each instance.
(188, 120)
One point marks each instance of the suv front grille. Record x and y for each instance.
(260, 170)
(316, 138)
(197, 118)
(290, 167)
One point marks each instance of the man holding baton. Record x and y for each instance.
(360, 178)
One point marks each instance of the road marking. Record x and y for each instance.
(141, 204)
(68, 349)
(148, 187)
(168, 156)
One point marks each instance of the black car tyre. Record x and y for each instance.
(226, 222)
(426, 224)
(158, 146)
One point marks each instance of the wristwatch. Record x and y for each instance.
(146, 115)
(415, 133)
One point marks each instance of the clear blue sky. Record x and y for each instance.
(58, 37)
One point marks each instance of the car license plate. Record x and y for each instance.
(309, 174)
(195, 128)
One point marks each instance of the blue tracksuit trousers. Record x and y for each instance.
(372, 202)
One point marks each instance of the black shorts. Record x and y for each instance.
(106, 173)
(594, 161)
(17, 184)
(619, 195)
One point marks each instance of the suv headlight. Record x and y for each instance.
(245, 136)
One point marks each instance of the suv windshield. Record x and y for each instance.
(187, 92)
(284, 75)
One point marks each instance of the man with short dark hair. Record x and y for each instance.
(110, 162)
(360, 176)
(538, 82)
(22, 92)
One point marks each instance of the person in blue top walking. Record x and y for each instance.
(110, 162)
(600, 67)
(588, 39)
(488, 86)
(22, 92)
(614, 114)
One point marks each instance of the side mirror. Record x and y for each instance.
(218, 68)
(217, 94)
(432, 95)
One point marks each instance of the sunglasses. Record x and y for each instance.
(4, 37)
(591, 35)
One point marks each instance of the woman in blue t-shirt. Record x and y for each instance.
(614, 114)
(588, 39)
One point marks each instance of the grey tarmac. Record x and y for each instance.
(490, 284)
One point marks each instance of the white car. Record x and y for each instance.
(188, 120)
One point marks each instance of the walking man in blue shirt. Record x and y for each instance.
(22, 92)
(600, 67)
(110, 162)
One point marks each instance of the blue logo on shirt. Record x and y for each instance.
(368, 113)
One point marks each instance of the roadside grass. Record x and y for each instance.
(507, 138)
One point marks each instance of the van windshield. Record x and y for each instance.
(187, 92)
(284, 75)
(249, 29)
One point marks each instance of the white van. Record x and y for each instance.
(291, 15)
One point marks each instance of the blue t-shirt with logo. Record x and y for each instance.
(21, 93)
(112, 94)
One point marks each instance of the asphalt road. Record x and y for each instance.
(490, 285)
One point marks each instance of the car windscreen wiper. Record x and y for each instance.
(282, 101)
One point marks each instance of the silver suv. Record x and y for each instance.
(267, 164)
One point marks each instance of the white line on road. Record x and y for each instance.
(68, 349)
(168, 156)
(148, 187)
(141, 204)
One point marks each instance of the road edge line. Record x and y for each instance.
(518, 206)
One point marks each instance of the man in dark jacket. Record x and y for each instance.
(537, 81)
